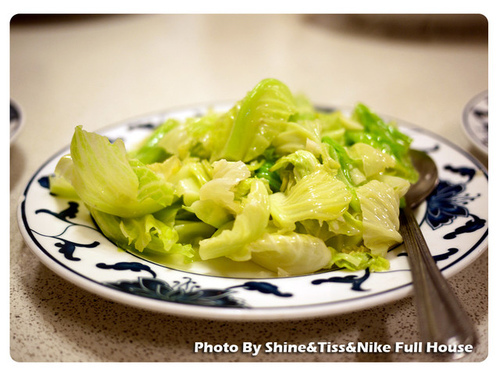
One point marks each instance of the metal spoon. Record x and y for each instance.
(442, 319)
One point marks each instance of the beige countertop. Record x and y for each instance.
(100, 70)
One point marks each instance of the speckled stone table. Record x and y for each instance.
(99, 70)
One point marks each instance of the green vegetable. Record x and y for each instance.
(273, 186)
(60, 181)
(265, 172)
(264, 113)
(291, 253)
(339, 154)
(107, 180)
(217, 202)
(317, 196)
(380, 209)
(150, 151)
(359, 260)
(145, 233)
(248, 226)
(385, 137)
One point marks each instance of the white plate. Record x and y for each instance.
(475, 121)
(16, 120)
(62, 235)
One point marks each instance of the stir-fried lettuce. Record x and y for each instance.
(272, 182)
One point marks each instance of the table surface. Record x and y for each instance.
(98, 70)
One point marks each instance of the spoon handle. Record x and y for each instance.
(441, 317)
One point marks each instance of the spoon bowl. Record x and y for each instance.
(428, 178)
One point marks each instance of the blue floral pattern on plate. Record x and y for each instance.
(63, 235)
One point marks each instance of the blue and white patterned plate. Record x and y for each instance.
(16, 120)
(475, 121)
(62, 235)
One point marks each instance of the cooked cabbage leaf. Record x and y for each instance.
(359, 260)
(145, 233)
(385, 137)
(107, 180)
(317, 196)
(291, 253)
(273, 183)
(380, 208)
(264, 113)
(248, 226)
